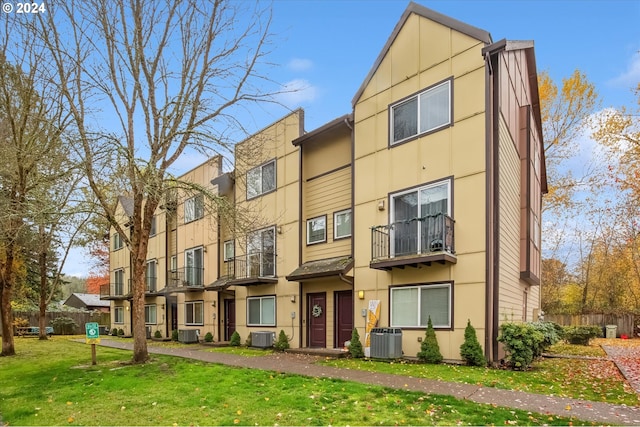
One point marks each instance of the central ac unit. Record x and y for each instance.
(188, 335)
(263, 339)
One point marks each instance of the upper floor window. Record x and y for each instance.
(194, 208)
(417, 217)
(153, 230)
(261, 180)
(228, 250)
(342, 224)
(117, 242)
(424, 112)
(316, 230)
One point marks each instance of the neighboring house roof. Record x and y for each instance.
(345, 120)
(425, 12)
(88, 301)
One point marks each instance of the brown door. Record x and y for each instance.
(344, 317)
(317, 320)
(229, 318)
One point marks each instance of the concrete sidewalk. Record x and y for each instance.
(302, 364)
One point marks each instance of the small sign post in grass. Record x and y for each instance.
(93, 338)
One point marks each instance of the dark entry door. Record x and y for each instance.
(229, 318)
(344, 317)
(317, 320)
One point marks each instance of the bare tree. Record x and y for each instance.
(30, 142)
(173, 76)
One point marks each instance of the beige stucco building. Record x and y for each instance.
(422, 202)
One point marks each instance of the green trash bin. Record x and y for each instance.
(611, 331)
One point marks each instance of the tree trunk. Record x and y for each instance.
(140, 353)
(8, 346)
(42, 261)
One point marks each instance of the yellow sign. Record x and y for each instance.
(93, 340)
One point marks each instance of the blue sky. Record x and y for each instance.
(328, 47)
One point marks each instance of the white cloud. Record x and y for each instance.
(631, 76)
(300, 64)
(296, 92)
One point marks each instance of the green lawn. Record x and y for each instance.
(53, 383)
(597, 380)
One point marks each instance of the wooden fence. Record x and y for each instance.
(627, 324)
(79, 317)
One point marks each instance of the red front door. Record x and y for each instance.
(229, 318)
(344, 317)
(317, 320)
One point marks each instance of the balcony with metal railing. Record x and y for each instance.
(186, 279)
(256, 268)
(413, 242)
(115, 291)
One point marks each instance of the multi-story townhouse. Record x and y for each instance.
(423, 202)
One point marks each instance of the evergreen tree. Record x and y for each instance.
(235, 339)
(355, 348)
(283, 341)
(429, 349)
(470, 350)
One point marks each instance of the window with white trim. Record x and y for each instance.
(150, 317)
(194, 208)
(261, 179)
(261, 311)
(342, 224)
(194, 313)
(118, 315)
(424, 112)
(117, 242)
(317, 230)
(411, 306)
(228, 250)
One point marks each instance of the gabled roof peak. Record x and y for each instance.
(415, 8)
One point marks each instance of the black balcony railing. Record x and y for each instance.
(412, 238)
(192, 277)
(115, 290)
(257, 264)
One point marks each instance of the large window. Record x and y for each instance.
(411, 306)
(342, 224)
(261, 253)
(194, 313)
(151, 275)
(119, 315)
(261, 180)
(425, 112)
(417, 215)
(118, 282)
(150, 314)
(194, 208)
(261, 311)
(194, 267)
(316, 230)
